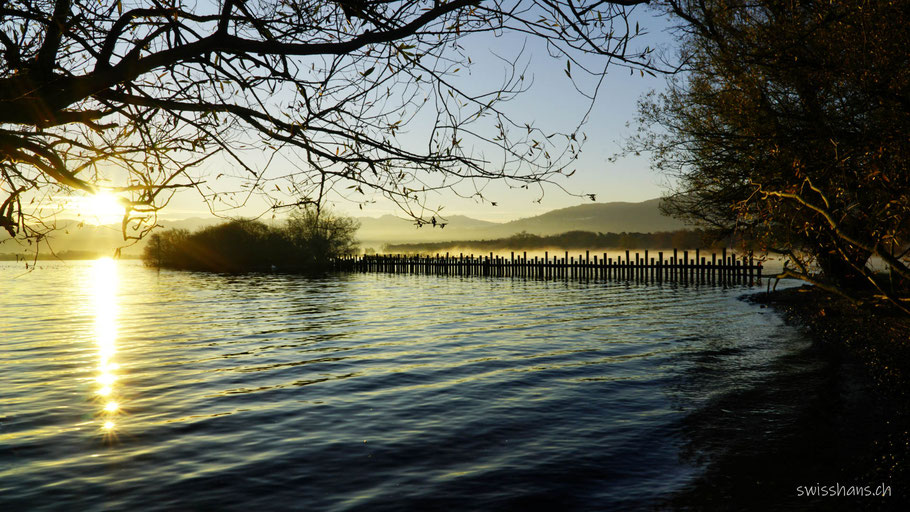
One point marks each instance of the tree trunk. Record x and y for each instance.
(841, 270)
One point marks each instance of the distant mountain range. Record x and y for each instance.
(615, 217)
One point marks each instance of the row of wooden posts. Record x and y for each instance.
(743, 269)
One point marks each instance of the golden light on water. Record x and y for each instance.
(104, 294)
(107, 379)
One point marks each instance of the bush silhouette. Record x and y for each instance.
(307, 243)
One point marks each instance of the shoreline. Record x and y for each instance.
(876, 337)
(836, 413)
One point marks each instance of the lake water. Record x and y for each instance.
(122, 388)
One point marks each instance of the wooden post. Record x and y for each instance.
(685, 275)
(587, 264)
(660, 266)
(713, 273)
(751, 269)
(675, 267)
(627, 267)
(649, 268)
(723, 265)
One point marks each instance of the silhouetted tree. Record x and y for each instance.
(319, 236)
(130, 95)
(167, 248)
(307, 242)
(233, 246)
(790, 125)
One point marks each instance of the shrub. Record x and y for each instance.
(307, 242)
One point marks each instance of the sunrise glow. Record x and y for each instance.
(98, 209)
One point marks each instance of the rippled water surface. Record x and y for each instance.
(124, 388)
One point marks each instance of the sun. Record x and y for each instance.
(99, 209)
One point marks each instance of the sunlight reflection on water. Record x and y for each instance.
(103, 281)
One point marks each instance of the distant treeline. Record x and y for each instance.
(305, 243)
(62, 255)
(682, 239)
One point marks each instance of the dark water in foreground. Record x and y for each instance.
(125, 389)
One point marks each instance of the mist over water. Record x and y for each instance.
(126, 388)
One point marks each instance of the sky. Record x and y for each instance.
(552, 103)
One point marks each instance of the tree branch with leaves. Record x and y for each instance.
(298, 98)
(789, 127)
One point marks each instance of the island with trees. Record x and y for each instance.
(307, 242)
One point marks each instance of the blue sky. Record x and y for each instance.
(553, 104)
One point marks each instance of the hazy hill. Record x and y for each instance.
(192, 223)
(100, 240)
(615, 217)
(391, 229)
